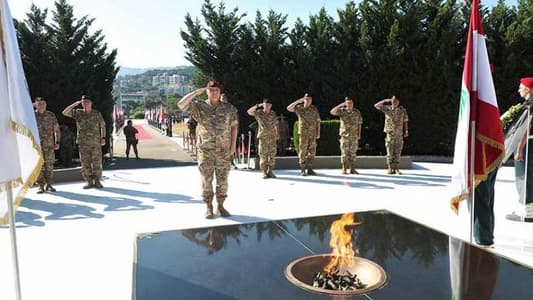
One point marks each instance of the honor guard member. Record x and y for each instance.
(308, 130)
(349, 132)
(217, 127)
(267, 136)
(91, 138)
(396, 129)
(50, 136)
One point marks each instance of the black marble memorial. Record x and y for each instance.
(247, 261)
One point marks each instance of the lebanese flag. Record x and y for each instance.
(478, 106)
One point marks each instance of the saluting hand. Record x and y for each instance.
(102, 142)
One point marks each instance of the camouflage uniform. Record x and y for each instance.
(89, 142)
(214, 157)
(394, 121)
(47, 124)
(308, 118)
(266, 135)
(349, 129)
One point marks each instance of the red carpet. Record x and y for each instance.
(143, 134)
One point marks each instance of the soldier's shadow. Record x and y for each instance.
(61, 211)
(112, 203)
(336, 181)
(157, 197)
(27, 219)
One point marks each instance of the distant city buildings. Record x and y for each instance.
(132, 91)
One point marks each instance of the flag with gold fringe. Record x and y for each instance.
(20, 152)
(478, 105)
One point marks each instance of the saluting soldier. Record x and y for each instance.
(267, 135)
(396, 128)
(349, 132)
(50, 136)
(308, 130)
(91, 138)
(217, 127)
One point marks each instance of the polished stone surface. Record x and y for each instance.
(247, 261)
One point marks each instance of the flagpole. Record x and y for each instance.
(12, 230)
(472, 177)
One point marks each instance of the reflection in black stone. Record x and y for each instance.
(247, 261)
(213, 238)
(473, 272)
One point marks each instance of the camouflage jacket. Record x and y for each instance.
(308, 118)
(351, 122)
(267, 124)
(214, 123)
(47, 123)
(394, 118)
(88, 125)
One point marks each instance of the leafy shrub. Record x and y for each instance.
(328, 144)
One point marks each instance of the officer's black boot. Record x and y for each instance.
(89, 184)
(97, 183)
(221, 210)
(50, 188)
(209, 211)
(41, 188)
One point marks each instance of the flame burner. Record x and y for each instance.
(302, 272)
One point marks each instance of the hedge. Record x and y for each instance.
(328, 144)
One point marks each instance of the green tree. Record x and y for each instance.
(63, 60)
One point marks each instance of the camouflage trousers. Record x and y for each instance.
(91, 161)
(307, 151)
(47, 172)
(348, 152)
(394, 145)
(214, 163)
(267, 152)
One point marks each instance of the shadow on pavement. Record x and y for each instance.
(119, 163)
(157, 197)
(113, 203)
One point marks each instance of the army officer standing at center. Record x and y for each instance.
(217, 127)
(91, 138)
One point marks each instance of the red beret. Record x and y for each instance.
(527, 81)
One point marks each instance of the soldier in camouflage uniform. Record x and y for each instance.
(50, 136)
(396, 129)
(309, 131)
(91, 138)
(68, 143)
(217, 127)
(267, 135)
(349, 132)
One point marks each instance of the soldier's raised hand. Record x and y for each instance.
(102, 142)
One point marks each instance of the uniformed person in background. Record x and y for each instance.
(91, 138)
(50, 136)
(217, 127)
(396, 128)
(308, 130)
(67, 145)
(267, 136)
(349, 132)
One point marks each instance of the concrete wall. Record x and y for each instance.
(334, 162)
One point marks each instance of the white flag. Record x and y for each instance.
(20, 150)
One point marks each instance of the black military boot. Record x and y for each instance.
(209, 211)
(89, 184)
(221, 210)
(270, 173)
(50, 188)
(97, 183)
(310, 172)
(41, 188)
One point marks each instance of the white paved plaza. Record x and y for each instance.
(78, 244)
